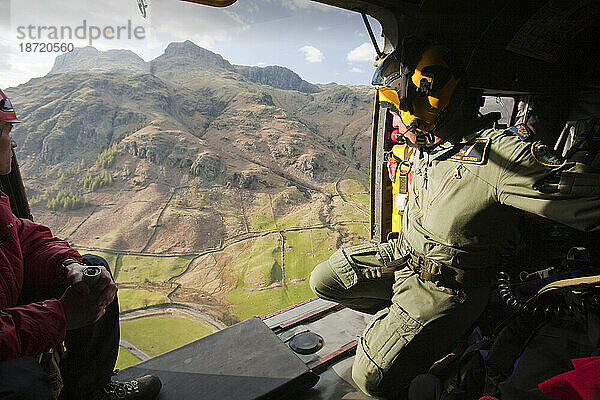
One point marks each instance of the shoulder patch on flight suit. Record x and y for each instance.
(545, 155)
(473, 152)
(522, 132)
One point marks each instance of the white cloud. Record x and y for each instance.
(364, 52)
(356, 70)
(312, 54)
(295, 5)
(205, 26)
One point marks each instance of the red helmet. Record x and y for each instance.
(7, 112)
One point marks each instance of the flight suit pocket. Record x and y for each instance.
(387, 334)
(364, 255)
(580, 184)
(363, 262)
(340, 264)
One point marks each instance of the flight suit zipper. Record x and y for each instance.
(425, 177)
(452, 175)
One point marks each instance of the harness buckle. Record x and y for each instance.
(418, 267)
(436, 268)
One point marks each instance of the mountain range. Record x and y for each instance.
(188, 117)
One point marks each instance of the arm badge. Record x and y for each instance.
(522, 132)
(545, 155)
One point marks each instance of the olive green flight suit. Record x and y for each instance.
(463, 210)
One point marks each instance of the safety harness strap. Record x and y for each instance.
(452, 277)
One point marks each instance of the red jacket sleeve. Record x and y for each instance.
(31, 329)
(43, 254)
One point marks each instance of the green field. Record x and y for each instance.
(345, 211)
(259, 265)
(306, 215)
(359, 230)
(126, 359)
(306, 249)
(250, 304)
(260, 214)
(354, 190)
(362, 198)
(159, 334)
(351, 186)
(261, 222)
(136, 298)
(150, 268)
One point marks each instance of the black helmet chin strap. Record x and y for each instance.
(421, 136)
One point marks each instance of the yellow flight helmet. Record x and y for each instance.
(417, 82)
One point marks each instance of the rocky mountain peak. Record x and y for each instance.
(195, 54)
(277, 77)
(89, 59)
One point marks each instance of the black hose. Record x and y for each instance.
(506, 293)
(549, 305)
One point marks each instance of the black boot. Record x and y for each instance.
(145, 388)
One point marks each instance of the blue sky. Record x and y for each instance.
(321, 43)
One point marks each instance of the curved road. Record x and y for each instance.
(141, 312)
(134, 350)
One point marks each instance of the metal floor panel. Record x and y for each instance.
(249, 361)
(244, 361)
(335, 384)
(294, 312)
(337, 329)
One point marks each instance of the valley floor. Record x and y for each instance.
(259, 260)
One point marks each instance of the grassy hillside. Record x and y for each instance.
(200, 182)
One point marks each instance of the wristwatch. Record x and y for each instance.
(63, 267)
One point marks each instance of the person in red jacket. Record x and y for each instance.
(45, 300)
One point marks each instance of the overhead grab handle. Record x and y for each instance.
(143, 6)
(368, 25)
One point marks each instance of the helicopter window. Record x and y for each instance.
(503, 105)
(225, 127)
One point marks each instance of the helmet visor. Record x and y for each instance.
(386, 68)
(7, 112)
(6, 105)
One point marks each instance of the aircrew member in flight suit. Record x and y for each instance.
(467, 189)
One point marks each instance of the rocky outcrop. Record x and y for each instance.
(314, 167)
(156, 151)
(187, 53)
(192, 117)
(89, 59)
(277, 77)
(206, 166)
(245, 180)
